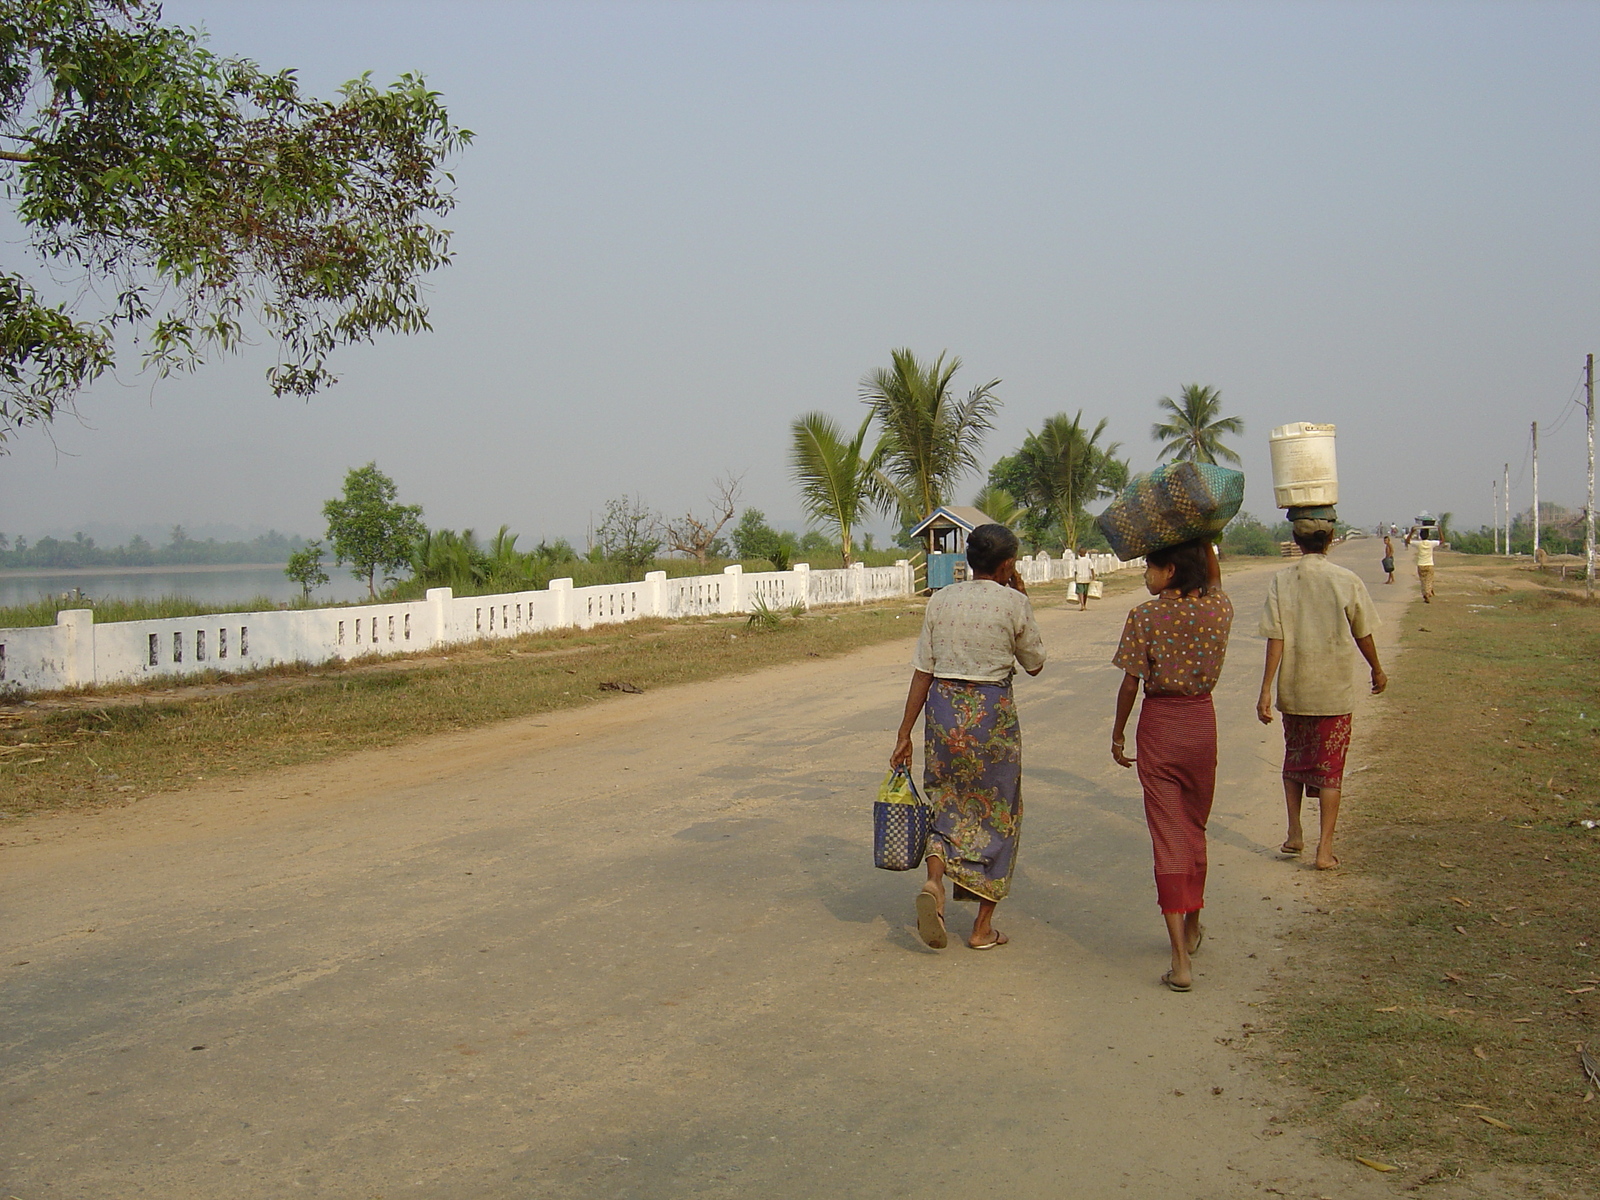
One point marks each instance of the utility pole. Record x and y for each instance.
(1588, 515)
(1536, 490)
(1494, 505)
(1505, 495)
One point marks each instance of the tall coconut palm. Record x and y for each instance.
(1195, 431)
(837, 480)
(930, 439)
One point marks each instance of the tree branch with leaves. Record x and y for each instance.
(202, 196)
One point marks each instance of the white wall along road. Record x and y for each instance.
(77, 652)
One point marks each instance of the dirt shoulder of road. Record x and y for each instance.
(1439, 996)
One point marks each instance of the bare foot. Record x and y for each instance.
(1327, 864)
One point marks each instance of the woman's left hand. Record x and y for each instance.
(902, 752)
(1119, 755)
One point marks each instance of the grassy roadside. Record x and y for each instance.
(112, 746)
(1438, 991)
(103, 749)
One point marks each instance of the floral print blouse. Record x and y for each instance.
(1176, 643)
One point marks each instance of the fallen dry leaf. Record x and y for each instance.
(1391, 1008)
(1374, 1164)
(1458, 929)
(1578, 991)
(1478, 1050)
(1460, 901)
(1488, 1120)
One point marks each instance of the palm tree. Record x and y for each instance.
(837, 483)
(1075, 469)
(1195, 431)
(1057, 472)
(930, 439)
(994, 501)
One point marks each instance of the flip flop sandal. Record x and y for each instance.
(1177, 987)
(1292, 851)
(930, 921)
(1199, 940)
(1333, 866)
(1000, 939)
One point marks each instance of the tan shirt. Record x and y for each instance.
(1318, 610)
(1424, 548)
(978, 630)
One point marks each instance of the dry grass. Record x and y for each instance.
(112, 747)
(1436, 1013)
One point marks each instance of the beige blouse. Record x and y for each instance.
(978, 630)
(1318, 611)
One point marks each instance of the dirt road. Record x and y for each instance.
(640, 951)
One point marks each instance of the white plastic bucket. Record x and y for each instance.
(1304, 471)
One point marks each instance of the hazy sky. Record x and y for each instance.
(683, 224)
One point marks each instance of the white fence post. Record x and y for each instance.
(561, 589)
(440, 598)
(802, 581)
(655, 594)
(79, 624)
(910, 582)
(733, 588)
(858, 582)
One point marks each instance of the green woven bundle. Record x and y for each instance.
(1175, 503)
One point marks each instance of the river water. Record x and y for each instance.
(211, 585)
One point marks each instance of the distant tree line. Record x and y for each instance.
(180, 550)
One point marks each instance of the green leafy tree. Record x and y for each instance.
(369, 528)
(930, 438)
(1194, 430)
(1055, 474)
(837, 478)
(1246, 535)
(189, 194)
(754, 538)
(629, 534)
(305, 568)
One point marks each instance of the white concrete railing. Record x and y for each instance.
(76, 651)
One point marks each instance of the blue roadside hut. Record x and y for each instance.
(945, 531)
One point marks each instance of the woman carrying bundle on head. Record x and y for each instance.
(1175, 645)
(974, 635)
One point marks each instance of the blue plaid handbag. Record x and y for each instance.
(900, 824)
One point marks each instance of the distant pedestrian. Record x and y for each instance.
(1314, 610)
(1082, 577)
(1388, 559)
(974, 635)
(1175, 644)
(1425, 547)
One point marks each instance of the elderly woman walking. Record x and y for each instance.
(1175, 645)
(974, 635)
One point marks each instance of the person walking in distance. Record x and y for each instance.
(974, 636)
(1175, 644)
(1388, 559)
(1425, 547)
(1314, 611)
(1082, 577)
